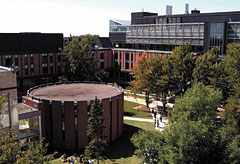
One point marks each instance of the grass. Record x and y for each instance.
(131, 112)
(122, 150)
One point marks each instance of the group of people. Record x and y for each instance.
(74, 159)
(157, 117)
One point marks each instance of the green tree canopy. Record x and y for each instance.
(232, 67)
(82, 64)
(183, 63)
(141, 82)
(198, 103)
(192, 135)
(36, 153)
(148, 144)
(206, 66)
(159, 76)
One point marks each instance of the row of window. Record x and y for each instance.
(9, 62)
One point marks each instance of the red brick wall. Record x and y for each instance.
(82, 124)
(114, 118)
(69, 124)
(40, 64)
(106, 115)
(46, 124)
(57, 123)
(120, 114)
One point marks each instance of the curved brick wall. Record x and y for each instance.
(64, 123)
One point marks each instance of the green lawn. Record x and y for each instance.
(130, 112)
(122, 150)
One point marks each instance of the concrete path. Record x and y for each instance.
(159, 128)
(161, 125)
(142, 101)
(138, 119)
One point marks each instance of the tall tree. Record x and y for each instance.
(206, 67)
(230, 130)
(232, 67)
(95, 131)
(141, 82)
(36, 153)
(78, 55)
(10, 149)
(159, 76)
(211, 71)
(192, 135)
(148, 144)
(198, 103)
(183, 63)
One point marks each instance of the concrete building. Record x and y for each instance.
(8, 89)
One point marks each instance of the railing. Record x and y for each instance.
(31, 90)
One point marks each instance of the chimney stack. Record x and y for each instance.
(168, 10)
(186, 8)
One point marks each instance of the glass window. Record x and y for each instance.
(8, 60)
(216, 36)
(116, 59)
(126, 60)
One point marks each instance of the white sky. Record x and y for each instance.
(78, 17)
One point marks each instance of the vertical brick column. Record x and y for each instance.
(48, 63)
(69, 124)
(54, 63)
(114, 118)
(106, 59)
(23, 65)
(45, 119)
(120, 114)
(57, 123)
(40, 64)
(82, 124)
(106, 115)
(124, 60)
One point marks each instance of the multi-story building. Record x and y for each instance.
(37, 54)
(159, 34)
(8, 89)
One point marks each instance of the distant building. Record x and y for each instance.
(159, 34)
(37, 54)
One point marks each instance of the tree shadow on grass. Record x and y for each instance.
(122, 147)
(129, 114)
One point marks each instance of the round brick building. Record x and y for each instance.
(64, 111)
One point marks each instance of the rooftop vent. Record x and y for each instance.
(195, 11)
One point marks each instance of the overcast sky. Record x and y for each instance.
(78, 17)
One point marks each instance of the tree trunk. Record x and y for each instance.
(97, 148)
(164, 101)
(147, 98)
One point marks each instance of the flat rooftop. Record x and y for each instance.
(76, 92)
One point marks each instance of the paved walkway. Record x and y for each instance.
(142, 101)
(158, 124)
(138, 119)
